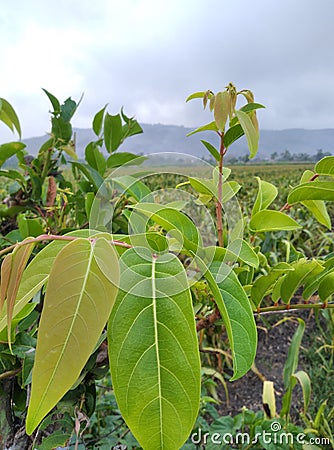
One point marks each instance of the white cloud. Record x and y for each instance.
(148, 55)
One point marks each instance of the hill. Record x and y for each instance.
(159, 138)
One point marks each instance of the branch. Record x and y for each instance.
(208, 320)
(55, 237)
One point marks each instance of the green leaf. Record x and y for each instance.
(54, 101)
(78, 300)
(251, 107)
(244, 251)
(9, 149)
(196, 95)
(29, 227)
(61, 130)
(95, 158)
(221, 109)
(13, 175)
(314, 190)
(133, 187)
(204, 186)
(98, 121)
(208, 127)
(251, 133)
(290, 367)
(268, 220)
(68, 109)
(120, 158)
(208, 187)
(156, 378)
(112, 132)
(264, 284)
(8, 116)
(214, 152)
(237, 315)
(303, 269)
(131, 126)
(91, 174)
(326, 287)
(266, 195)
(172, 219)
(305, 382)
(293, 353)
(325, 166)
(155, 242)
(237, 250)
(233, 134)
(56, 440)
(317, 207)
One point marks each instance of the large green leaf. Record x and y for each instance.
(237, 315)
(78, 300)
(266, 195)
(314, 190)
(153, 350)
(269, 220)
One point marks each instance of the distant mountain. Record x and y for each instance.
(172, 138)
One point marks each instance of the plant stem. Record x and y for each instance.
(213, 317)
(295, 307)
(219, 206)
(46, 164)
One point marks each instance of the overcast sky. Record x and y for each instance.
(149, 55)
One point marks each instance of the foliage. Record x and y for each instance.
(123, 259)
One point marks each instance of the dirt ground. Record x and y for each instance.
(273, 345)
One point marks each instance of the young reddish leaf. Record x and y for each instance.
(6, 267)
(19, 261)
(221, 109)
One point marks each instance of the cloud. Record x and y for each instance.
(149, 55)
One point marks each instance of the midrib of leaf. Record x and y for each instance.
(156, 340)
(72, 324)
